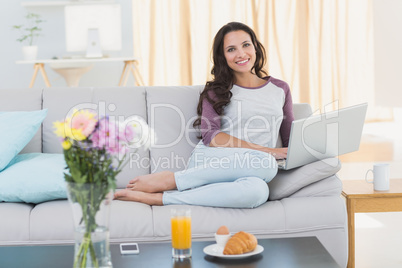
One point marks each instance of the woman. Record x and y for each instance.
(242, 111)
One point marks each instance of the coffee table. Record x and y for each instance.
(360, 197)
(279, 252)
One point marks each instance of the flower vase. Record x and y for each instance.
(90, 205)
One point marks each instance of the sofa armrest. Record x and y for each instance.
(287, 182)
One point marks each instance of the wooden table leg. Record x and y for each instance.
(133, 71)
(36, 69)
(128, 70)
(42, 70)
(138, 76)
(131, 66)
(350, 203)
(123, 74)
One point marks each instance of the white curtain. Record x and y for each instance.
(323, 49)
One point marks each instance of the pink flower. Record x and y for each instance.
(127, 134)
(84, 121)
(106, 136)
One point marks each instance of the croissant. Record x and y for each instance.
(240, 243)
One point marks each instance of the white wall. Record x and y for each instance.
(388, 52)
(52, 44)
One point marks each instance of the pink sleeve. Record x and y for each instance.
(210, 122)
(287, 109)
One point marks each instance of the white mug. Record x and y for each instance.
(380, 177)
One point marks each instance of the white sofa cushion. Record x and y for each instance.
(287, 182)
(325, 187)
(171, 112)
(289, 215)
(53, 221)
(59, 102)
(14, 223)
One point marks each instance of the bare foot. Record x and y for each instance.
(137, 196)
(153, 183)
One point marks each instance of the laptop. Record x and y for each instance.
(326, 135)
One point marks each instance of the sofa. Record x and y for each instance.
(303, 202)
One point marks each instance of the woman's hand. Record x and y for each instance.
(278, 153)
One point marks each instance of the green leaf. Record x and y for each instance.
(32, 22)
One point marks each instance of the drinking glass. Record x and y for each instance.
(181, 232)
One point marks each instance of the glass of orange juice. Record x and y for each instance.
(181, 232)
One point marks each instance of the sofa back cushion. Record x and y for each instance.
(28, 99)
(171, 113)
(120, 102)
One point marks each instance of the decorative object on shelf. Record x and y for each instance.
(30, 52)
(95, 150)
(29, 32)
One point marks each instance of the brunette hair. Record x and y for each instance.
(223, 77)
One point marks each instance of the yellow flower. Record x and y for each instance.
(66, 144)
(75, 134)
(72, 133)
(59, 129)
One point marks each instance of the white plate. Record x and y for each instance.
(217, 251)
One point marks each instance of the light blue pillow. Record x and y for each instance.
(16, 130)
(33, 178)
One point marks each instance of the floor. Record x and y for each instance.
(378, 235)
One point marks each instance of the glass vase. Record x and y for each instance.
(90, 205)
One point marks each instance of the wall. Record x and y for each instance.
(52, 44)
(388, 52)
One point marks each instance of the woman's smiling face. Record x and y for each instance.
(239, 51)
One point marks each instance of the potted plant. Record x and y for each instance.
(29, 32)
